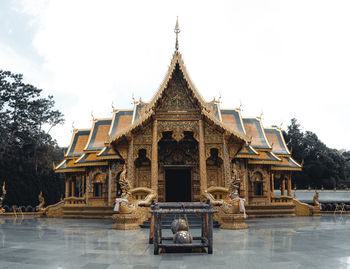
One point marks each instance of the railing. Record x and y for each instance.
(75, 200)
(281, 199)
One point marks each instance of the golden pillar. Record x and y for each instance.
(202, 163)
(154, 162)
(227, 166)
(289, 186)
(109, 186)
(283, 186)
(73, 188)
(130, 164)
(67, 188)
(83, 186)
(272, 184)
(87, 189)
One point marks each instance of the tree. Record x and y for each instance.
(322, 166)
(26, 149)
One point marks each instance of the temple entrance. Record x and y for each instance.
(178, 185)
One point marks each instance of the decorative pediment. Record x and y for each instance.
(177, 96)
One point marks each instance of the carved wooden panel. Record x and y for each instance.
(148, 149)
(178, 128)
(143, 177)
(176, 96)
(210, 146)
(195, 184)
(144, 136)
(212, 135)
(212, 176)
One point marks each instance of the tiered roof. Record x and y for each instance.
(255, 131)
(280, 148)
(149, 109)
(262, 145)
(75, 150)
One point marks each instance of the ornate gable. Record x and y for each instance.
(177, 96)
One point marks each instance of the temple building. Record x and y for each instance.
(178, 145)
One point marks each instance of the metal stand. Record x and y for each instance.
(204, 241)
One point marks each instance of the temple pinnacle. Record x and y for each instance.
(177, 31)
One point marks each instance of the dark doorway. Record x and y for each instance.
(178, 185)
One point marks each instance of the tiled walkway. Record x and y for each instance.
(282, 243)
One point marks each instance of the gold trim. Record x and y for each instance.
(69, 170)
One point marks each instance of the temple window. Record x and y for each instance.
(98, 185)
(258, 188)
(258, 184)
(142, 160)
(97, 189)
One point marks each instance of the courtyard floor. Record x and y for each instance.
(282, 243)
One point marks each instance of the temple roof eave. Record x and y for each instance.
(67, 166)
(287, 164)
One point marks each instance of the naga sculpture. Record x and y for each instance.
(2, 198)
(231, 207)
(131, 215)
(40, 206)
(124, 205)
(315, 199)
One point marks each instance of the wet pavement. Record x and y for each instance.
(300, 242)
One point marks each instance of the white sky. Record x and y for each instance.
(283, 58)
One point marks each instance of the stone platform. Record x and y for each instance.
(299, 242)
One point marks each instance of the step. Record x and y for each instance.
(87, 211)
(275, 210)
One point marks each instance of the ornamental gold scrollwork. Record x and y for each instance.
(148, 149)
(178, 128)
(208, 147)
(176, 95)
(144, 136)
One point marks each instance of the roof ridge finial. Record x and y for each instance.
(177, 31)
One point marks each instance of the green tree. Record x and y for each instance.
(26, 149)
(323, 166)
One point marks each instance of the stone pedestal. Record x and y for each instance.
(316, 210)
(233, 221)
(126, 221)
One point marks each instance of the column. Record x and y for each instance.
(67, 188)
(289, 186)
(227, 166)
(283, 186)
(202, 161)
(246, 178)
(154, 161)
(83, 185)
(272, 184)
(87, 189)
(130, 163)
(109, 185)
(73, 188)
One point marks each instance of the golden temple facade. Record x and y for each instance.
(179, 146)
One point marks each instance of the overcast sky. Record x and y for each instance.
(283, 58)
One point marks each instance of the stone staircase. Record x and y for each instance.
(193, 220)
(88, 212)
(273, 210)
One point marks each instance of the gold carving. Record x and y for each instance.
(2, 198)
(41, 199)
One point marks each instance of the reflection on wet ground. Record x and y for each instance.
(301, 242)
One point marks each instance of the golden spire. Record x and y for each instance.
(177, 31)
